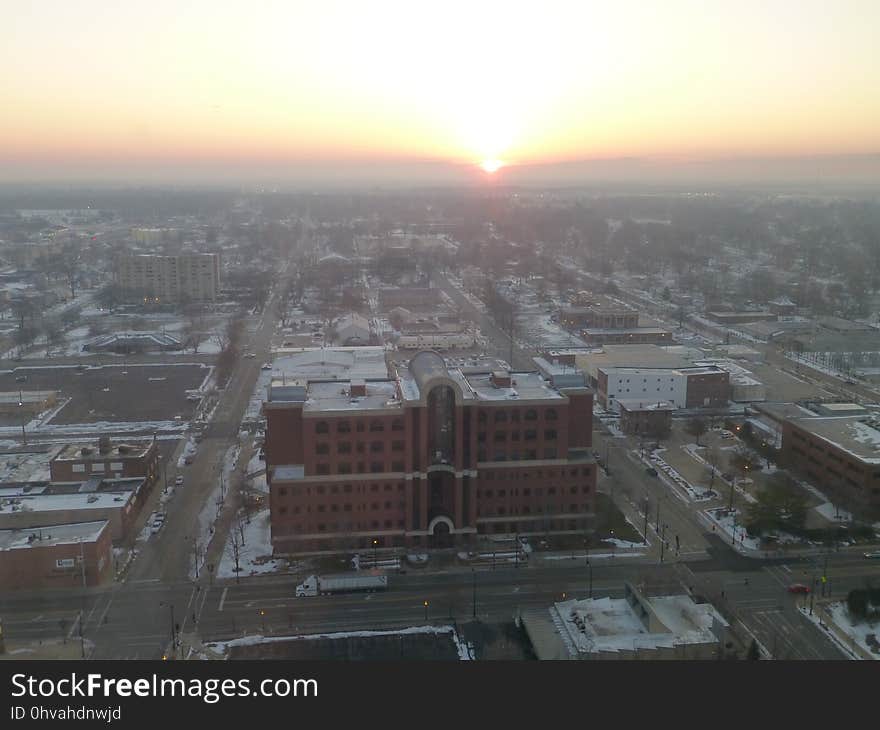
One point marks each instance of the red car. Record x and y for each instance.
(798, 588)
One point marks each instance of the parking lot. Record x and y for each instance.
(119, 393)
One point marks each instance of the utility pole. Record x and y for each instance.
(82, 611)
(474, 574)
(647, 506)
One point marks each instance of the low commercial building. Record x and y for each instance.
(353, 329)
(631, 336)
(649, 420)
(612, 316)
(692, 387)
(56, 556)
(840, 454)
(108, 460)
(633, 627)
(126, 343)
(729, 318)
(29, 505)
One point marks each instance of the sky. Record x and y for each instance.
(222, 88)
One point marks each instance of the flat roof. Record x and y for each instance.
(120, 451)
(34, 537)
(852, 434)
(626, 331)
(322, 363)
(336, 396)
(632, 356)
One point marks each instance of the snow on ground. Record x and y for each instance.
(855, 632)
(731, 525)
(834, 514)
(255, 553)
(213, 505)
(623, 543)
(188, 450)
(465, 652)
(695, 494)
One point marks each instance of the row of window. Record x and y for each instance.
(347, 507)
(98, 467)
(516, 455)
(525, 509)
(530, 434)
(345, 426)
(337, 489)
(527, 491)
(345, 467)
(344, 447)
(501, 416)
(306, 528)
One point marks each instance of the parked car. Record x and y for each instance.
(178, 482)
(798, 588)
(21, 379)
(250, 355)
(651, 471)
(267, 366)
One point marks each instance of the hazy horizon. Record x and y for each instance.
(336, 93)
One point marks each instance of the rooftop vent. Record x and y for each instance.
(500, 378)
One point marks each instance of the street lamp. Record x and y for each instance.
(588, 564)
(426, 611)
(375, 544)
(21, 415)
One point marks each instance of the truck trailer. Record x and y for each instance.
(320, 585)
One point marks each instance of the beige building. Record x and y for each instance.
(169, 278)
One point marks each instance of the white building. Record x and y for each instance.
(650, 385)
(353, 328)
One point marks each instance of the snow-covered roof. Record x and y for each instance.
(34, 537)
(853, 434)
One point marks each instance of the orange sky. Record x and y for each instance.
(268, 82)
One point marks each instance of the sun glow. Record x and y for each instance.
(491, 166)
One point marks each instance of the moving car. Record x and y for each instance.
(798, 588)
(267, 366)
(250, 355)
(178, 482)
(872, 555)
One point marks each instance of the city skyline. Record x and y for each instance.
(226, 91)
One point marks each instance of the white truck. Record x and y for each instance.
(320, 585)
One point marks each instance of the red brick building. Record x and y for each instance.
(840, 455)
(649, 420)
(76, 463)
(56, 556)
(432, 457)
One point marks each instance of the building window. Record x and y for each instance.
(376, 447)
(549, 453)
(322, 449)
(344, 468)
(376, 467)
(321, 427)
(530, 434)
(323, 469)
(397, 446)
(550, 414)
(500, 417)
(376, 426)
(550, 434)
(343, 447)
(531, 415)
(79, 467)
(397, 466)
(500, 437)
(397, 425)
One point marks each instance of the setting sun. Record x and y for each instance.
(491, 166)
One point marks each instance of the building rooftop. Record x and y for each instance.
(631, 356)
(53, 496)
(629, 624)
(32, 537)
(323, 363)
(121, 452)
(634, 404)
(857, 435)
(336, 396)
